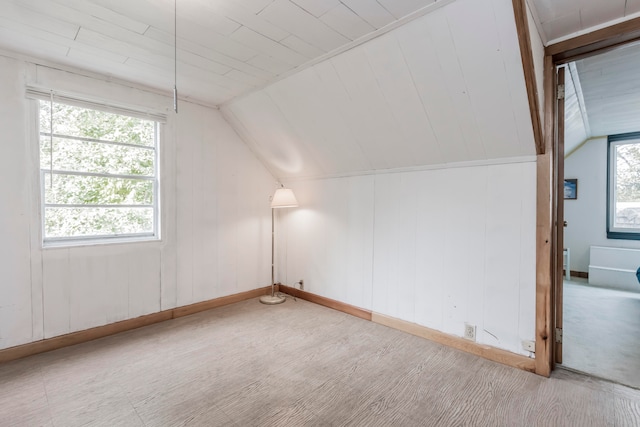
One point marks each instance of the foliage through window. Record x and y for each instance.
(623, 207)
(98, 174)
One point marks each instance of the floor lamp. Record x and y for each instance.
(283, 198)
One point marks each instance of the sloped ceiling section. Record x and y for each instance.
(447, 87)
(575, 126)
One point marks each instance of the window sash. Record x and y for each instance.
(102, 238)
(613, 231)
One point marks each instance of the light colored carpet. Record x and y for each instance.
(601, 332)
(296, 364)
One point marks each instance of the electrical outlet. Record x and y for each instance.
(470, 332)
(529, 346)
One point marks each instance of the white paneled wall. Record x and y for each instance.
(444, 88)
(435, 247)
(215, 220)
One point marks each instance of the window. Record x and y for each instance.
(98, 174)
(623, 187)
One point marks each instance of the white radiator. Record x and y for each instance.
(614, 268)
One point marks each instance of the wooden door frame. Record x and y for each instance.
(546, 168)
(557, 54)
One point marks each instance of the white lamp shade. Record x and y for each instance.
(284, 198)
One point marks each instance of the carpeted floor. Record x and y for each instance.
(601, 332)
(296, 364)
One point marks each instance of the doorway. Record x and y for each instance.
(598, 315)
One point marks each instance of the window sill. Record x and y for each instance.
(67, 244)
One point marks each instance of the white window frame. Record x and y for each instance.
(38, 94)
(614, 141)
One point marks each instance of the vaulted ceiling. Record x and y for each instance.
(225, 47)
(229, 47)
(322, 87)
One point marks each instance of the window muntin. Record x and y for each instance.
(98, 174)
(623, 187)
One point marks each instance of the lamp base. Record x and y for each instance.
(272, 300)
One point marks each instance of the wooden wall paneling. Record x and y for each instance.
(374, 116)
(385, 244)
(90, 295)
(186, 143)
(537, 50)
(472, 228)
(406, 242)
(349, 120)
(453, 79)
(203, 188)
(528, 66)
(419, 50)
(144, 296)
(360, 223)
(515, 77)
(431, 236)
(337, 237)
(527, 282)
(16, 322)
(306, 116)
(504, 214)
(168, 201)
(228, 198)
(254, 218)
(395, 81)
(117, 281)
(208, 285)
(57, 292)
(464, 225)
(270, 136)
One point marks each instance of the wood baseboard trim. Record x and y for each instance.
(581, 274)
(491, 353)
(49, 344)
(327, 302)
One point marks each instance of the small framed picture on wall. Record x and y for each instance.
(570, 189)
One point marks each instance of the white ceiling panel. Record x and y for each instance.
(237, 44)
(428, 92)
(401, 8)
(372, 12)
(610, 85)
(317, 7)
(561, 18)
(346, 22)
(304, 25)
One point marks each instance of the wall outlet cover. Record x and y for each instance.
(470, 332)
(529, 346)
